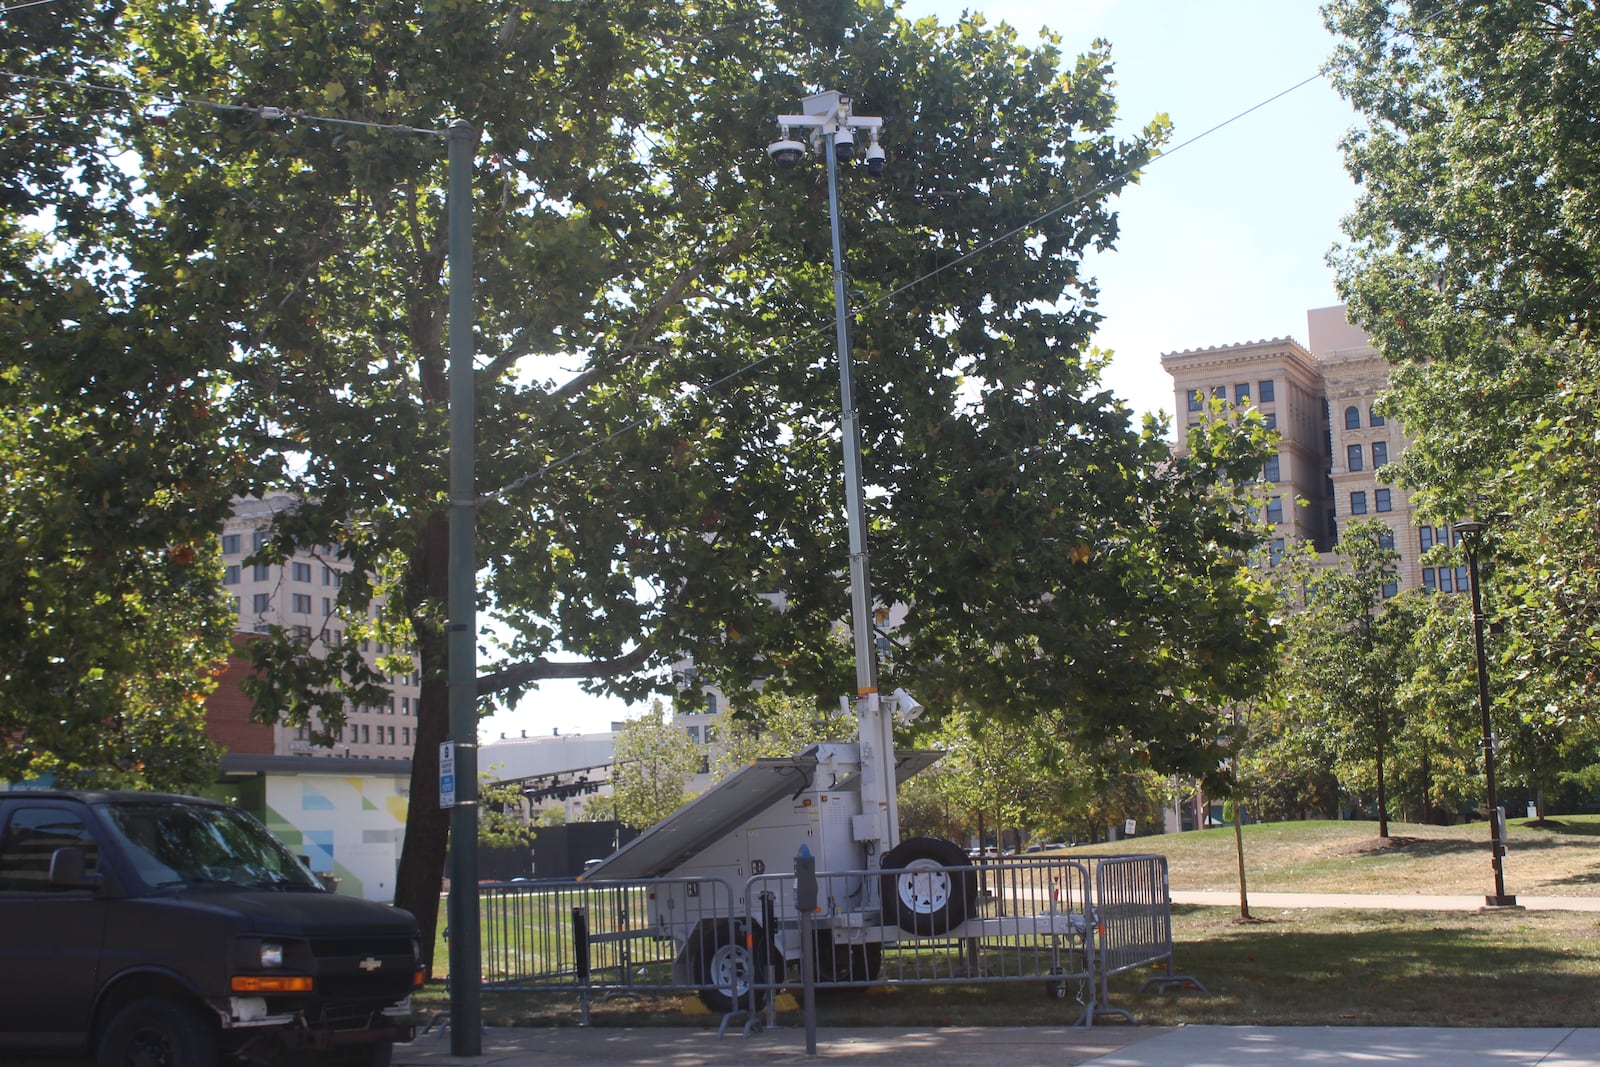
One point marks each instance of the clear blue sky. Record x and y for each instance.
(1224, 240)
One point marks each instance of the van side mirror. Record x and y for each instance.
(67, 870)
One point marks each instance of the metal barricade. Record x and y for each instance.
(1021, 921)
(608, 939)
(1133, 926)
(1069, 924)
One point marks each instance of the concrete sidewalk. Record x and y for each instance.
(1378, 902)
(1103, 1046)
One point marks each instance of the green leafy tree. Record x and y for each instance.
(653, 760)
(112, 622)
(1342, 653)
(1470, 261)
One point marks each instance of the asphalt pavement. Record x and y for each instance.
(1102, 1046)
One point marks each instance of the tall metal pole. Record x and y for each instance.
(1472, 533)
(466, 1037)
(878, 801)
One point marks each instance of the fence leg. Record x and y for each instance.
(580, 947)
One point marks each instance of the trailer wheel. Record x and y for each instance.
(840, 963)
(730, 958)
(919, 895)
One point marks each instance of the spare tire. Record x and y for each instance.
(929, 886)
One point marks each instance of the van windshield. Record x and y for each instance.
(178, 844)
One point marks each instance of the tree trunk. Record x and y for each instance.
(1383, 797)
(421, 874)
(1238, 847)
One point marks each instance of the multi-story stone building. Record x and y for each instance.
(1329, 467)
(301, 595)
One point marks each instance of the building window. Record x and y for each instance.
(1219, 392)
(230, 574)
(1446, 580)
(1386, 538)
(405, 705)
(405, 735)
(261, 603)
(233, 603)
(1241, 393)
(1352, 457)
(711, 703)
(1197, 400)
(1272, 470)
(1430, 583)
(258, 540)
(1381, 500)
(1358, 502)
(366, 734)
(327, 607)
(300, 572)
(1275, 551)
(261, 572)
(1275, 509)
(1373, 418)
(1380, 454)
(1270, 420)
(300, 604)
(230, 544)
(1390, 588)
(1264, 391)
(1352, 418)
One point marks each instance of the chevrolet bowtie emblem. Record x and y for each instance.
(371, 963)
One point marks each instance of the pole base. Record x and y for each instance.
(1491, 903)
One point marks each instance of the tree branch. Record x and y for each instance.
(542, 669)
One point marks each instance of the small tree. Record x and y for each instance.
(653, 762)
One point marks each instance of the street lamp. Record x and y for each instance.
(1470, 532)
(830, 127)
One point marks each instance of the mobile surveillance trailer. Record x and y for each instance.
(834, 800)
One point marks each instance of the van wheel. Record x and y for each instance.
(152, 1032)
(929, 886)
(730, 959)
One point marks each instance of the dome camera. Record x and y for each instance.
(786, 152)
(875, 158)
(844, 145)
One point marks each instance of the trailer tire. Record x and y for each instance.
(922, 896)
(730, 958)
(843, 963)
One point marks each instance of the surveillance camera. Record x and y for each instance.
(875, 158)
(786, 152)
(844, 145)
(907, 708)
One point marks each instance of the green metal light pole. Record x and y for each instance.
(1471, 533)
(466, 1036)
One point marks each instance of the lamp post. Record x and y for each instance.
(831, 127)
(1471, 531)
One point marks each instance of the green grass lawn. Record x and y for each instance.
(1289, 967)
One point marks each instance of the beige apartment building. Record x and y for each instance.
(301, 595)
(1329, 466)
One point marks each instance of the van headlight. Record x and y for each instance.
(271, 954)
